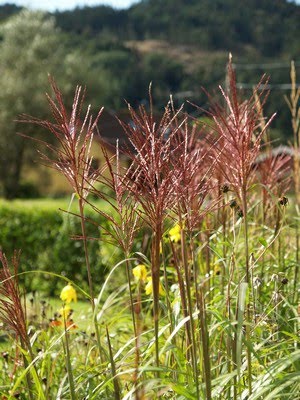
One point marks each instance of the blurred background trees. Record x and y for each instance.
(31, 47)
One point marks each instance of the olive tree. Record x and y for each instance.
(31, 47)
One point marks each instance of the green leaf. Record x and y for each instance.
(263, 241)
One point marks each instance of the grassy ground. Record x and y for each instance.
(67, 203)
(32, 203)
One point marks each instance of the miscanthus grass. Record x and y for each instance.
(204, 303)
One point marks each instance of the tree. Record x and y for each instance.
(31, 48)
(165, 73)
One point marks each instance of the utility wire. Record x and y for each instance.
(264, 66)
(276, 86)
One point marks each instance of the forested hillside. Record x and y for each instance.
(270, 26)
(181, 45)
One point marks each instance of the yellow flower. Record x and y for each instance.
(140, 272)
(68, 294)
(65, 312)
(149, 287)
(175, 234)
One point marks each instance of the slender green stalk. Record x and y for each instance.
(90, 281)
(248, 313)
(168, 303)
(182, 291)
(205, 345)
(224, 247)
(155, 264)
(68, 363)
(128, 275)
(190, 309)
(231, 349)
(86, 253)
(296, 273)
(113, 369)
(138, 310)
(203, 327)
(243, 286)
(170, 314)
(135, 324)
(28, 378)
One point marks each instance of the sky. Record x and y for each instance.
(52, 5)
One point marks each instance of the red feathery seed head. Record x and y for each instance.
(11, 309)
(74, 134)
(171, 165)
(274, 173)
(237, 125)
(150, 177)
(193, 167)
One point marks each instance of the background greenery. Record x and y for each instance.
(44, 235)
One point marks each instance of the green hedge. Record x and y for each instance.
(43, 234)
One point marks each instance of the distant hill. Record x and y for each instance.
(181, 46)
(198, 34)
(270, 26)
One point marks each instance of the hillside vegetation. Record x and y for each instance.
(217, 24)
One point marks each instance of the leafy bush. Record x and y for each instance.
(44, 236)
(28, 190)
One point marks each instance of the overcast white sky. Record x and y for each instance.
(52, 5)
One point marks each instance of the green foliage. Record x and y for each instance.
(44, 236)
(251, 31)
(28, 190)
(165, 73)
(219, 24)
(93, 20)
(31, 48)
(29, 40)
(124, 74)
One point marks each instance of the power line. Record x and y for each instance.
(276, 86)
(279, 65)
(265, 66)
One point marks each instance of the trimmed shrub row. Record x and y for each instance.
(44, 236)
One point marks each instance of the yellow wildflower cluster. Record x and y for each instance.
(68, 294)
(175, 234)
(149, 287)
(140, 274)
(65, 312)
